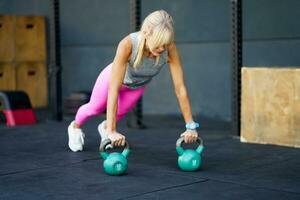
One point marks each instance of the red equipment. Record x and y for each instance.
(16, 107)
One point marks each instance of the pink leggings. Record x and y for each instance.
(126, 100)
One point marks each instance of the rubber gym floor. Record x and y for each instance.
(37, 164)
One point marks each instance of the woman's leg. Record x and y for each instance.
(127, 100)
(98, 100)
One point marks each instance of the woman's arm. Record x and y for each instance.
(179, 86)
(117, 75)
(178, 82)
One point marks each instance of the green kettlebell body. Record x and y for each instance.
(114, 163)
(189, 159)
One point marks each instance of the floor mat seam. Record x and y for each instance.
(163, 189)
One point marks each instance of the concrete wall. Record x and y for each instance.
(90, 31)
(271, 33)
(202, 36)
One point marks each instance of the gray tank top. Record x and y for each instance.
(135, 78)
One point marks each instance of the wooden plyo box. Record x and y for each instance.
(23, 57)
(30, 39)
(7, 77)
(7, 43)
(22, 38)
(270, 112)
(31, 77)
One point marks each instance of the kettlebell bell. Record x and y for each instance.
(189, 159)
(114, 163)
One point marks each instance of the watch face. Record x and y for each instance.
(193, 126)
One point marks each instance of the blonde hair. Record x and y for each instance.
(159, 26)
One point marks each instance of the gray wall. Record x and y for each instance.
(271, 33)
(33, 7)
(202, 36)
(90, 33)
(91, 29)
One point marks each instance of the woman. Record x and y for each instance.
(139, 57)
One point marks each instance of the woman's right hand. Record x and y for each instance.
(117, 139)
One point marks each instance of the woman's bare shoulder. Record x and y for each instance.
(126, 42)
(125, 46)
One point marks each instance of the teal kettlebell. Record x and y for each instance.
(189, 159)
(114, 163)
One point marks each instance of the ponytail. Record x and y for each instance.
(140, 51)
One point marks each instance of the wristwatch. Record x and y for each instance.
(192, 125)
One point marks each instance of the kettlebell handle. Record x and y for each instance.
(107, 142)
(180, 150)
(181, 140)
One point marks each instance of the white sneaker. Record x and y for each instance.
(103, 134)
(76, 138)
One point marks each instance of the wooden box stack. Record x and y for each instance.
(23, 57)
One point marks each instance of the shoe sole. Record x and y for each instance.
(73, 149)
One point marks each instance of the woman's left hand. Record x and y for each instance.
(190, 136)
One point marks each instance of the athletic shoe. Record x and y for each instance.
(76, 138)
(103, 134)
